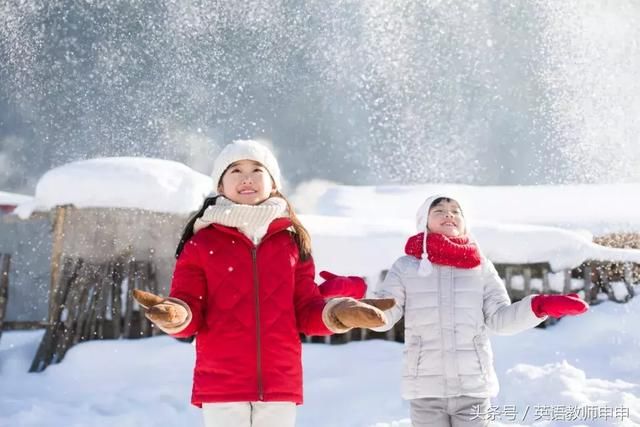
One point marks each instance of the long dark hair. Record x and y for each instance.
(187, 233)
(301, 235)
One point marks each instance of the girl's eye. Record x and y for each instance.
(235, 170)
(259, 170)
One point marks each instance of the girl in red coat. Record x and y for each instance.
(244, 286)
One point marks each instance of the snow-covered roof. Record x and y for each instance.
(367, 246)
(122, 182)
(600, 208)
(13, 199)
(362, 230)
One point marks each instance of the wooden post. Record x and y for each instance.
(628, 278)
(567, 282)
(144, 274)
(5, 264)
(129, 302)
(526, 272)
(56, 252)
(116, 299)
(153, 282)
(604, 279)
(47, 346)
(508, 274)
(546, 285)
(588, 290)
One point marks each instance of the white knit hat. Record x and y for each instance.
(422, 217)
(246, 150)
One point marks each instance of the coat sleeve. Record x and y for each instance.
(189, 285)
(392, 287)
(500, 315)
(309, 303)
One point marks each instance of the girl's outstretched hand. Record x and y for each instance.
(367, 313)
(558, 305)
(167, 313)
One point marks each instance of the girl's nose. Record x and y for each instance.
(246, 178)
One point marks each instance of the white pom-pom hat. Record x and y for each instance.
(246, 150)
(422, 217)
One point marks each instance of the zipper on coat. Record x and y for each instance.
(256, 288)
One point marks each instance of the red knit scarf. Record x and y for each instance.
(444, 250)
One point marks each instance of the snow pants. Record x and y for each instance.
(249, 414)
(460, 411)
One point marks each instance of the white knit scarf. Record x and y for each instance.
(252, 220)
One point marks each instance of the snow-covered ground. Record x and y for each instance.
(585, 363)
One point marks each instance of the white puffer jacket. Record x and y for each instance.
(447, 317)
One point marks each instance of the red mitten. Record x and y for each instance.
(342, 286)
(558, 305)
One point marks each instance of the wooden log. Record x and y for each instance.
(526, 273)
(84, 311)
(144, 271)
(5, 265)
(46, 349)
(56, 251)
(627, 269)
(508, 274)
(26, 325)
(69, 314)
(130, 282)
(103, 304)
(89, 319)
(546, 285)
(567, 282)
(155, 286)
(604, 282)
(116, 297)
(588, 285)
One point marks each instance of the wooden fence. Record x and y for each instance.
(93, 301)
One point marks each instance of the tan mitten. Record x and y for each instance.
(169, 314)
(351, 313)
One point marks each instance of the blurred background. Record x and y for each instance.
(357, 92)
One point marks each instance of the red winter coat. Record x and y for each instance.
(249, 304)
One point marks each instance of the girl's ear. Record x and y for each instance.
(220, 189)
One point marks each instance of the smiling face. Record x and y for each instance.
(246, 182)
(445, 217)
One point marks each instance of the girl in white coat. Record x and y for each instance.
(451, 296)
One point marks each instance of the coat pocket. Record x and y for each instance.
(483, 352)
(412, 356)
